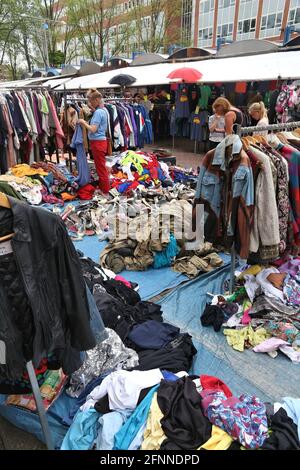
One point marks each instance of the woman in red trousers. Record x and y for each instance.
(97, 136)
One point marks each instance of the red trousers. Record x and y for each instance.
(99, 151)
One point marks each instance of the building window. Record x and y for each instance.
(271, 21)
(253, 24)
(278, 19)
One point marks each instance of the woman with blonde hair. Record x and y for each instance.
(233, 116)
(259, 114)
(97, 129)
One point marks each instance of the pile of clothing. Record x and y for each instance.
(133, 169)
(147, 240)
(40, 182)
(136, 340)
(264, 311)
(160, 410)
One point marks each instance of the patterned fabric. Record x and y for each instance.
(291, 291)
(282, 197)
(293, 158)
(243, 418)
(284, 330)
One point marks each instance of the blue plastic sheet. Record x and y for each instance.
(244, 372)
(152, 282)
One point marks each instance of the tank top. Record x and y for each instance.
(238, 120)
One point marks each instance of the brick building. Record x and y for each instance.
(235, 20)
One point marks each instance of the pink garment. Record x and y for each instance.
(246, 317)
(59, 132)
(270, 345)
(120, 278)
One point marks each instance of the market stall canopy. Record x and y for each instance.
(122, 79)
(70, 70)
(185, 75)
(89, 68)
(147, 59)
(116, 63)
(189, 52)
(55, 83)
(246, 47)
(52, 72)
(231, 69)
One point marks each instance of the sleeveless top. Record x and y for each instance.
(238, 119)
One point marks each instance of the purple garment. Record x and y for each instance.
(243, 418)
(133, 123)
(291, 267)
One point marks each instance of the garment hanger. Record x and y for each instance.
(4, 202)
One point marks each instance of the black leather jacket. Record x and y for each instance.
(51, 272)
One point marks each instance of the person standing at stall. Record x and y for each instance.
(97, 129)
(216, 124)
(233, 116)
(259, 115)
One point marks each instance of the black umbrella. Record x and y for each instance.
(122, 79)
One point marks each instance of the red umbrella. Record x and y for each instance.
(185, 74)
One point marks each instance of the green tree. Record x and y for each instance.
(56, 58)
(157, 24)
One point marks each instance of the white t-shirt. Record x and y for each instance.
(263, 122)
(217, 136)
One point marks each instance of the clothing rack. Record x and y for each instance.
(242, 131)
(31, 88)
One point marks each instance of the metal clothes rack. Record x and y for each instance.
(242, 131)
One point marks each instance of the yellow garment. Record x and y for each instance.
(25, 170)
(135, 159)
(254, 270)
(153, 435)
(219, 440)
(237, 338)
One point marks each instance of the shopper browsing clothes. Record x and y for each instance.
(233, 116)
(216, 124)
(259, 115)
(97, 129)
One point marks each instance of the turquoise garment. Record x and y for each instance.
(83, 431)
(109, 425)
(165, 257)
(131, 428)
(99, 118)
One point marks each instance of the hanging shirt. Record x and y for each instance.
(205, 92)
(99, 119)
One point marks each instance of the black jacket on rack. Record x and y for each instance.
(52, 279)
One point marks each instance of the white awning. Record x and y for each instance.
(232, 69)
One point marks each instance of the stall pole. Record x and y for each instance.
(40, 406)
(66, 120)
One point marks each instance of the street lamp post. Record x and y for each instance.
(45, 27)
